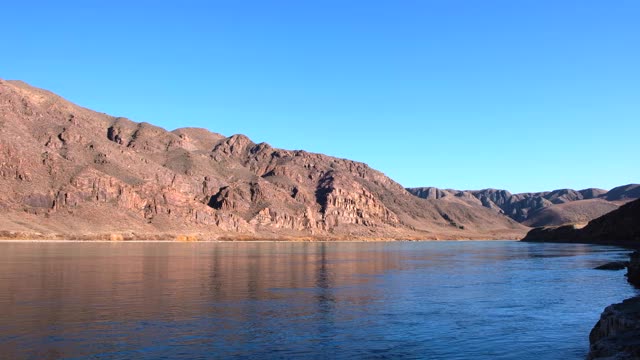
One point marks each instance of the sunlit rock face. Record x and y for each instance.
(67, 171)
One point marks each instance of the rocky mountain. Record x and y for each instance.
(619, 227)
(549, 208)
(622, 193)
(69, 172)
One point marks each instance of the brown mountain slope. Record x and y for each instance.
(548, 208)
(574, 212)
(66, 171)
(619, 227)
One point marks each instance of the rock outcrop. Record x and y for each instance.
(613, 265)
(69, 172)
(633, 269)
(617, 334)
(550, 208)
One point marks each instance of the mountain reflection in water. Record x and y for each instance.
(438, 300)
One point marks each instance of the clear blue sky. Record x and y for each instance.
(522, 95)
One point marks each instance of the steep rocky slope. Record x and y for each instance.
(549, 208)
(66, 171)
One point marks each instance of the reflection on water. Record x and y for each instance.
(440, 300)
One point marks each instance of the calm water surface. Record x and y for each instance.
(431, 300)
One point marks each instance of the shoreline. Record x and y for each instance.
(195, 236)
(620, 244)
(240, 241)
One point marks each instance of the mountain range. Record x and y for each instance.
(538, 209)
(70, 172)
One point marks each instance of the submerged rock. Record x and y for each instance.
(614, 265)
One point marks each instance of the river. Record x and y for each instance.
(379, 300)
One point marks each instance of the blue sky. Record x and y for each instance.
(521, 95)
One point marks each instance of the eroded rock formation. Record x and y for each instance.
(67, 171)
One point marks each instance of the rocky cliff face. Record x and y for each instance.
(550, 208)
(617, 334)
(67, 171)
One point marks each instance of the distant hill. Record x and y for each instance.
(619, 227)
(574, 212)
(69, 172)
(549, 208)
